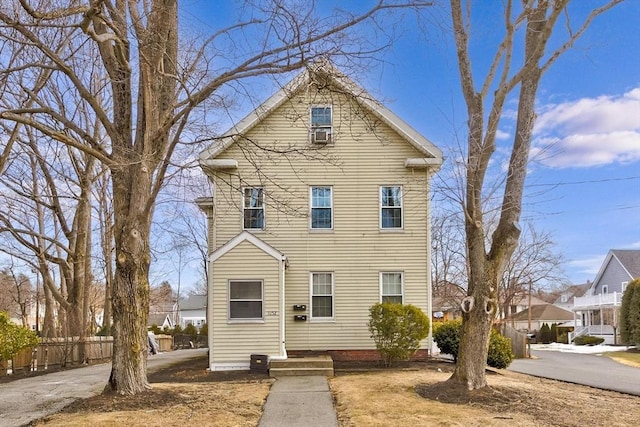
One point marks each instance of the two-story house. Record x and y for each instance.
(597, 310)
(320, 209)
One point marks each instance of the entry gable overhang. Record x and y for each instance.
(245, 236)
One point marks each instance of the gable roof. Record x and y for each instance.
(629, 259)
(327, 71)
(194, 302)
(572, 292)
(245, 236)
(544, 312)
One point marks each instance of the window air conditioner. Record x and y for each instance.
(320, 136)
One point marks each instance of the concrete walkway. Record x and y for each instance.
(299, 401)
(29, 399)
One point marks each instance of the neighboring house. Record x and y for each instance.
(540, 314)
(522, 303)
(193, 310)
(598, 309)
(320, 209)
(161, 320)
(567, 297)
(446, 301)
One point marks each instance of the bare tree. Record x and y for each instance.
(536, 21)
(156, 84)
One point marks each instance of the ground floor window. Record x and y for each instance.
(245, 299)
(321, 295)
(391, 287)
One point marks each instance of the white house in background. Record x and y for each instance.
(320, 209)
(566, 299)
(598, 309)
(193, 310)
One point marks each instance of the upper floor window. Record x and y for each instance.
(245, 300)
(624, 286)
(391, 287)
(605, 289)
(391, 207)
(321, 122)
(321, 208)
(321, 295)
(253, 208)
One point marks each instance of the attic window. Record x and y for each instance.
(321, 124)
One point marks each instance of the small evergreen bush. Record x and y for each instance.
(397, 330)
(204, 330)
(500, 354)
(563, 338)
(447, 337)
(14, 338)
(630, 314)
(554, 332)
(190, 330)
(545, 334)
(588, 340)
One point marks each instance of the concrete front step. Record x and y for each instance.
(290, 372)
(315, 365)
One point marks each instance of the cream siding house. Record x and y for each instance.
(320, 209)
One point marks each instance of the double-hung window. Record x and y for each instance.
(321, 208)
(322, 295)
(245, 300)
(253, 208)
(391, 286)
(391, 207)
(321, 121)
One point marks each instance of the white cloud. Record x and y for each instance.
(589, 131)
(588, 266)
(501, 135)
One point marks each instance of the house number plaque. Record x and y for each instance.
(272, 313)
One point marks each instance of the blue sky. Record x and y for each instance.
(587, 193)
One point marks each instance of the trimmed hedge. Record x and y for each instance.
(588, 340)
(630, 314)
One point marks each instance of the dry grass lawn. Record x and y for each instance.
(631, 358)
(415, 395)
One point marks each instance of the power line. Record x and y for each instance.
(594, 181)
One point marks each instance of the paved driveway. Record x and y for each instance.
(587, 369)
(23, 401)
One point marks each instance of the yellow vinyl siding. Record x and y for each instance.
(236, 340)
(363, 155)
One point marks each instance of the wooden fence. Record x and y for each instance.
(518, 340)
(55, 353)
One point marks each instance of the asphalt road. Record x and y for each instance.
(586, 369)
(23, 401)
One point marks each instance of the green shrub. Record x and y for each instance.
(397, 330)
(563, 338)
(204, 330)
(554, 332)
(630, 314)
(500, 354)
(14, 338)
(588, 340)
(190, 330)
(105, 331)
(544, 336)
(447, 337)
(155, 329)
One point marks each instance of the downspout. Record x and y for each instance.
(283, 305)
(429, 284)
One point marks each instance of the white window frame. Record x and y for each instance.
(332, 295)
(245, 319)
(324, 126)
(311, 207)
(381, 208)
(624, 286)
(380, 281)
(244, 207)
(605, 289)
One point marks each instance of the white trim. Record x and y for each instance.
(219, 164)
(333, 297)
(264, 207)
(423, 163)
(230, 366)
(311, 207)
(248, 237)
(380, 207)
(381, 289)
